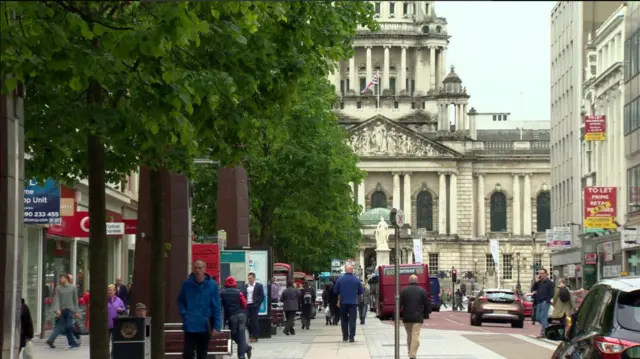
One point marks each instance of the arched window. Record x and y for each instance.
(498, 212)
(425, 29)
(438, 29)
(378, 200)
(543, 205)
(424, 210)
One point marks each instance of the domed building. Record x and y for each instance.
(461, 177)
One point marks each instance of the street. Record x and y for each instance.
(445, 335)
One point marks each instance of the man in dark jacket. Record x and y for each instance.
(234, 304)
(348, 287)
(26, 325)
(415, 306)
(333, 305)
(307, 301)
(199, 305)
(544, 289)
(290, 299)
(254, 292)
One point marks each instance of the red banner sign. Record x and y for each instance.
(600, 207)
(130, 226)
(210, 254)
(595, 127)
(77, 226)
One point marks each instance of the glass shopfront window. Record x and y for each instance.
(57, 262)
(82, 267)
(31, 267)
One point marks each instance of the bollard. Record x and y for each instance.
(131, 338)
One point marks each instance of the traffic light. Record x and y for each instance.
(454, 275)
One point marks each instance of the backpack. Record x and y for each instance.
(564, 295)
(308, 298)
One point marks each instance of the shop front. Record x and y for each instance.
(567, 264)
(609, 254)
(630, 247)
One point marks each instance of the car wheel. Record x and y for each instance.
(474, 321)
(519, 324)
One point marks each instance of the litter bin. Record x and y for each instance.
(131, 338)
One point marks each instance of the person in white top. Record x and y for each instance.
(254, 292)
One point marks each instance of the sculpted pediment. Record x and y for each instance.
(380, 137)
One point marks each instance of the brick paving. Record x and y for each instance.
(373, 341)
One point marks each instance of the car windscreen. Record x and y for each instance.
(629, 310)
(528, 298)
(500, 296)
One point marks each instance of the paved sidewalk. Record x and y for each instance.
(373, 341)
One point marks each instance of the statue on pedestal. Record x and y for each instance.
(382, 235)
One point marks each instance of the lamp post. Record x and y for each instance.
(475, 274)
(518, 270)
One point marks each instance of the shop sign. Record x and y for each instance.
(558, 238)
(77, 226)
(41, 202)
(608, 251)
(595, 127)
(611, 271)
(130, 226)
(600, 207)
(590, 258)
(210, 254)
(629, 238)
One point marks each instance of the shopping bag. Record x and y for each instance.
(27, 351)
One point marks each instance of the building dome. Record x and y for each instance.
(372, 216)
(452, 77)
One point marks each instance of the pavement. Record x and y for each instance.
(440, 338)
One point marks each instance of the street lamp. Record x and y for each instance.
(475, 274)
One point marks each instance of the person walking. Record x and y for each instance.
(275, 291)
(122, 291)
(26, 331)
(290, 299)
(115, 306)
(307, 300)
(348, 287)
(363, 303)
(66, 306)
(234, 304)
(544, 290)
(415, 306)
(562, 302)
(254, 292)
(458, 300)
(199, 305)
(443, 298)
(333, 304)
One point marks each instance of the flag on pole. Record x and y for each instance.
(374, 81)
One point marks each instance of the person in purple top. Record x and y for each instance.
(115, 306)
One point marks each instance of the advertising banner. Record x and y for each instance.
(239, 263)
(78, 226)
(608, 251)
(600, 207)
(595, 127)
(210, 254)
(417, 250)
(41, 202)
(258, 263)
(590, 258)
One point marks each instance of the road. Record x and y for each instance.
(445, 335)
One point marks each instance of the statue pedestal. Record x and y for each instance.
(382, 256)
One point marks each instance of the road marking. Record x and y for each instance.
(540, 342)
(453, 321)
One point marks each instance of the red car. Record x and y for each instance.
(527, 304)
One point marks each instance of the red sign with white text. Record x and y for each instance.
(600, 207)
(210, 254)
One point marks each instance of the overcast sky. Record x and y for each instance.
(500, 50)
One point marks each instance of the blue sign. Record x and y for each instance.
(41, 202)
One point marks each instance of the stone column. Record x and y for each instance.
(442, 204)
(385, 75)
(453, 206)
(480, 207)
(443, 66)
(418, 72)
(407, 198)
(369, 66)
(403, 67)
(353, 75)
(447, 122)
(526, 214)
(432, 65)
(517, 230)
(396, 190)
(410, 255)
(362, 263)
(465, 118)
(337, 76)
(11, 219)
(361, 198)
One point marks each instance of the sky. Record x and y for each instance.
(500, 50)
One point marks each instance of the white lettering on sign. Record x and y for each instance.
(593, 190)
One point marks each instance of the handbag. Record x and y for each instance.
(27, 351)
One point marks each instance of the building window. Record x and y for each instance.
(358, 104)
(498, 205)
(633, 189)
(537, 262)
(378, 200)
(392, 9)
(363, 84)
(433, 263)
(507, 266)
(413, 105)
(392, 85)
(427, 8)
(342, 87)
(413, 86)
(424, 210)
(414, 8)
(377, 5)
(424, 105)
(438, 29)
(405, 9)
(406, 83)
(543, 215)
(490, 264)
(348, 85)
(395, 104)
(342, 105)
(632, 116)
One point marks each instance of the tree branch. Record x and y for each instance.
(87, 17)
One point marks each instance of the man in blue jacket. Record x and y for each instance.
(348, 287)
(199, 304)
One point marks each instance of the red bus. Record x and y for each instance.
(298, 278)
(386, 286)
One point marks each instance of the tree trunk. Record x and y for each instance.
(98, 247)
(157, 302)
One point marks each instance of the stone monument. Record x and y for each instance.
(382, 245)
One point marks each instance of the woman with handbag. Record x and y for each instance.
(26, 331)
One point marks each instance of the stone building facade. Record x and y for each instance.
(458, 185)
